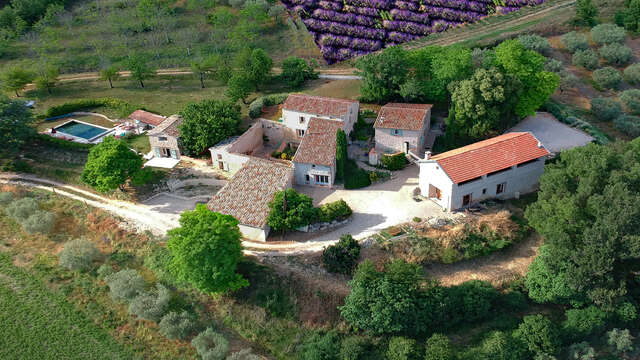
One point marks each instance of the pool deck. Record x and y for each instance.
(93, 140)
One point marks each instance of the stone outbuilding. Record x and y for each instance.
(501, 167)
(402, 128)
(144, 120)
(315, 158)
(299, 109)
(164, 140)
(247, 195)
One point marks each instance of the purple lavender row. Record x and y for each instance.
(378, 4)
(334, 54)
(350, 42)
(522, 3)
(452, 14)
(407, 27)
(330, 5)
(344, 29)
(362, 10)
(398, 37)
(407, 15)
(506, 9)
(347, 18)
(460, 4)
(407, 5)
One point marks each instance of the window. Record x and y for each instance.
(219, 156)
(397, 132)
(484, 191)
(162, 138)
(301, 119)
(500, 188)
(300, 132)
(322, 179)
(466, 200)
(434, 192)
(307, 178)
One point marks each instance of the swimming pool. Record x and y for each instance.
(81, 129)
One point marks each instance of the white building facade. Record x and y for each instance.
(299, 109)
(503, 167)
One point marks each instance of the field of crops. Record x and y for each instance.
(344, 29)
(36, 323)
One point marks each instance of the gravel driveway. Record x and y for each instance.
(554, 135)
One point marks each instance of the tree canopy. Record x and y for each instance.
(296, 211)
(587, 210)
(140, 68)
(110, 164)
(15, 78)
(206, 249)
(206, 123)
(296, 71)
(15, 124)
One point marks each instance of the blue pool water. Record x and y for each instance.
(81, 130)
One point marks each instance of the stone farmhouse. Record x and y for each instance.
(501, 167)
(315, 159)
(165, 144)
(402, 127)
(247, 195)
(299, 109)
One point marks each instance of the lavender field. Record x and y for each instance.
(347, 28)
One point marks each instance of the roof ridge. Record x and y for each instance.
(503, 137)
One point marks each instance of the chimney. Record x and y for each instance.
(539, 145)
(427, 155)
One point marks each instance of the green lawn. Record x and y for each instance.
(36, 323)
(139, 143)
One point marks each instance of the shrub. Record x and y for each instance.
(21, 209)
(605, 109)
(587, 59)
(62, 144)
(581, 351)
(631, 99)
(158, 260)
(342, 257)
(125, 285)
(5, 198)
(629, 125)
(38, 222)
(632, 74)
(394, 162)
(607, 77)
(581, 323)
(616, 54)
(334, 210)
(535, 43)
(353, 348)
(104, 270)
(78, 254)
(499, 345)
(626, 312)
(210, 345)
(321, 347)
(354, 176)
(538, 334)
(122, 107)
(256, 106)
(296, 71)
(553, 65)
(620, 340)
(439, 348)
(471, 301)
(401, 348)
(176, 325)
(151, 305)
(574, 41)
(244, 354)
(607, 34)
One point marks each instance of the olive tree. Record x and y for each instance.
(616, 54)
(536, 43)
(211, 345)
(607, 77)
(574, 41)
(632, 74)
(607, 34)
(176, 325)
(631, 99)
(125, 285)
(605, 109)
(587, 59)
(78, 254)
(151, 305)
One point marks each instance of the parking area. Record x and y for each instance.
(554, 135)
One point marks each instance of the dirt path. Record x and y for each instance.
(497, 268)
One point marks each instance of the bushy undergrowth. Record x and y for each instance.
(211, 345)
(27, 213)
(5, 198)
(78, 254)
(536, 43)
(244, 354)
(256, 106)
(628, 124)
(343, 256)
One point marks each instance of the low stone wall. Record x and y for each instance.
(322, 226)
(173, 185)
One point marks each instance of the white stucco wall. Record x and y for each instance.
(253, 233)
(521, 180)
(302, 169)
(230, 162)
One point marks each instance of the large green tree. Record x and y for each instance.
(453, 63)
(140, 68)
(206, 249)
(586, 12)
(536, 85)
(110, 73)
(47, 77)
(296, 71)
(206, 123)
(482, 106)
(16, 78)
(587, 210)
(110, 164)
(382, 74)
(290, 210)
(15, 124)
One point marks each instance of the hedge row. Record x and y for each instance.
(256, 106)
(122, 107)
(334, 211)
(394, 162)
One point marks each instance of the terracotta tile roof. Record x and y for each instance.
(402, 116)
(318, 145)
(168, 127)
(147, 117)
(247, 195)
(317, 105)
(490, 155)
